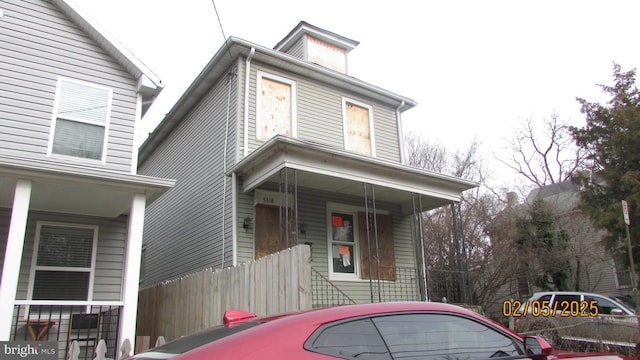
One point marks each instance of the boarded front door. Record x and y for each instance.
(268, 227)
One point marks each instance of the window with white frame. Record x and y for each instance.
(80, 120)
(64, 262)
(358, 127)
(355, 238)
(343, 243)
(276, 106)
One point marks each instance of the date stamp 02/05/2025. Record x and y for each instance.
(544, 308)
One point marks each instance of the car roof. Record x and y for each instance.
(336, 313)
(298, 326)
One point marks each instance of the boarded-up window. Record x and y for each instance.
(327, 55)
(275, 107)
(271, 223)
(358, 132)
(384, 249)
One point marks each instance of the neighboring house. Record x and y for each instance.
(277, 147)
(71, 203)
(594, 269)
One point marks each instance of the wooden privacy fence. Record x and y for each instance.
(273, 284)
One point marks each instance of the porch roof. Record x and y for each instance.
(334, 170)
(76, 190)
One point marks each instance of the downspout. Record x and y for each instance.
(234, 218)
(400, 132)
(247, 76)
(136, 135)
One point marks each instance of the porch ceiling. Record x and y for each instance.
(76, 190)
(334, 170)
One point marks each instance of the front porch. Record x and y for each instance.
(87, 323)
(361, 216)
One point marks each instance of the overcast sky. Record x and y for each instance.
(476, 68)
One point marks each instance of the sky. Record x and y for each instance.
(477, 69)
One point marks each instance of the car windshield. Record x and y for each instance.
(198, 339)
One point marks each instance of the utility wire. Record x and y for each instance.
(221, 29)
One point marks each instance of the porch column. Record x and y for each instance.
(13, 255)
(132, 270)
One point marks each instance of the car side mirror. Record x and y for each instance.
(616, 311)
(536, 347)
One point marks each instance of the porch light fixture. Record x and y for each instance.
(246, 224)
(303, 229)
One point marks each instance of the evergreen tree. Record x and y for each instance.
(611, 139)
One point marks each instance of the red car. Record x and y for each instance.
(403, 330)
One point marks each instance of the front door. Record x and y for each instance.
(271, 226)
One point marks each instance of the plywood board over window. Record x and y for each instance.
(358, 128)
(276, 105)
(325, 54)
(379, 245)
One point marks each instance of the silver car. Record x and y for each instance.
(578, 316)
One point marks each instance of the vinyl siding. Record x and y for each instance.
(183, 228)
(297, 49)
(38, 44)
(319, 115)
(110, 256)
(312, 212)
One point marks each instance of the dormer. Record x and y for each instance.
(316, 45)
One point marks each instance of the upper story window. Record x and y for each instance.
(64, 261)
(276, 106)
(358, 127)
(80, 120)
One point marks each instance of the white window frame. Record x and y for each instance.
(55, 116)
(346, 101)
(351, 210)
(34, 258)
(259, 76)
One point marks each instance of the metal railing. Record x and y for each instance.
(446, 286)
(85, 322)
(402, 287)
(325, 293)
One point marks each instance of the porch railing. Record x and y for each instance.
(85, 322)
(404, 287)
(325, 293)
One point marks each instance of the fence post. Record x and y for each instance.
(142, 343)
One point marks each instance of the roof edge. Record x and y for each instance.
(149, 83)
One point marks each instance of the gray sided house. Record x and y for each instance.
(277, 147)
(71, 202)
(593, 269)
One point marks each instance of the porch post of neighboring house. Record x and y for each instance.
(132, 270)
(13, 255)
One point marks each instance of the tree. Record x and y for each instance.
(543, 156)
(545, 247)
(611, 140)
(488, 268)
